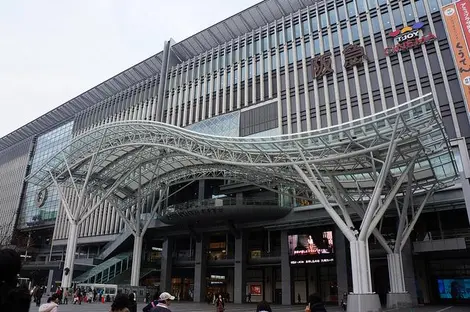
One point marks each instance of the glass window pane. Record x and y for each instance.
(280, 36)
(305, 29)
(386, 21)
(351, 10)
(313, 23)
(355, 32)
(323, 20)
(365, 28)
(375, 24)
(290, 57)
(332, 16)
(397, 17)
(335, 40)
(341, 13)
(297, 30)
(344, 33)
(316, 46)
(299, 52)
(289, 34)
(308, 52)
(433, 6)
(361, 6)
(326, 43)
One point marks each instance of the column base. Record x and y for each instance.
(364, 303)
(399, 300)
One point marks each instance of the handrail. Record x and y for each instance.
(227, 201)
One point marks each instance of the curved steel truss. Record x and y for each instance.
(350, 154)
(361, 166)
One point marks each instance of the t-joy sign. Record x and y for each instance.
(407, 38)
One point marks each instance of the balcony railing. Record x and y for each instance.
(220, 202)
(447, 234)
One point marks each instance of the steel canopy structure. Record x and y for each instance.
(358, 167)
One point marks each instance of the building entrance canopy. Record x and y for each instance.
(403, 150)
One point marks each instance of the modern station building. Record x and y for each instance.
(276, 68)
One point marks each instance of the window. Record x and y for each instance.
(299, 52)
(326, 43)
(341, 13)
(289, 34)
(365, 28)
(420, 8)
(280, 37)
(297, 30)
(386, 21)
(332, 16)
(361, 6)
(351, 10)
(323, 20)
(305, 29)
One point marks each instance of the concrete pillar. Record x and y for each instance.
(395, 273)
(166, 265)
(362, 298)
(50, 281)
(239, 285)
(409, 272)
(401, 273)
(286, 284)
(270, 284)
(70, 255)
(201, 190)
(136, 260)
(200, 271)
(341, 264)
(239, 198)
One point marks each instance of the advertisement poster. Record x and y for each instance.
(312, 247)
(255, 290)
(456, 289)
(459, 45)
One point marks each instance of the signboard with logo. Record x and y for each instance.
(409, 37)
(458, 43)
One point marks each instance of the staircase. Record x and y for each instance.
(114, 244)
(108, 270)
(125, 277)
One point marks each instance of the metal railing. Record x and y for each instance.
(227, 201)
(447, 234)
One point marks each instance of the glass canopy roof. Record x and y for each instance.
(150, 155)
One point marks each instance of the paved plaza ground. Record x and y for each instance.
(200, 307)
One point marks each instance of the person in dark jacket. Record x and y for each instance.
(315, 304)
(164, 302)
(263, 306)
(12, 297)
(152, 304)
(132, 303)
(120, 304)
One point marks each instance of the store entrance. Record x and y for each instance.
(182, 284)
(219, 282)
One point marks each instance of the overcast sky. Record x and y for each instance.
(52, 51)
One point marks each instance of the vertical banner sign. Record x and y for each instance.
(459, 47)
(463, 9)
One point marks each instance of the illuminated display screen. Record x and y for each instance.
(315, 247)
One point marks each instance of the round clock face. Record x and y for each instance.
(41, 198)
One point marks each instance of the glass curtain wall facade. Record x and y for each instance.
(41, 214)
